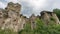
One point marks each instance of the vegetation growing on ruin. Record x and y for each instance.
(41, 28)
(7, 31)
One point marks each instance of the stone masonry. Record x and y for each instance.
(47, 16)
(10, 18)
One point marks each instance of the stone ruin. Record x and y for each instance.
(32, 21)
(47, 16)
(13, 19)
(10, 18)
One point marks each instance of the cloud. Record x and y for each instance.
(56, 4)
(36, 3)
(2, 5)
(14, 1)
(35, 6)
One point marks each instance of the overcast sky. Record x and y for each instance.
(33, 6)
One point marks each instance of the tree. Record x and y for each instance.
(57, 11)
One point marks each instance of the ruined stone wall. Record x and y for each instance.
(56, 18)
(13, 21)
(32, 21)
(11, 18)
(46, 17)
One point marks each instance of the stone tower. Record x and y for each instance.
(32, 21)
(13, 20)
(14, 7)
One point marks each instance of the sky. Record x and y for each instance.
(33, 6)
